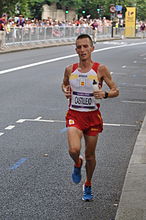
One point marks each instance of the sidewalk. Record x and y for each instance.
(18, 47)
(45, 44)
(132, 204)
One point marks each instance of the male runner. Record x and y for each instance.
(83, 118)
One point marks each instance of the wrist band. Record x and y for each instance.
(106, 95)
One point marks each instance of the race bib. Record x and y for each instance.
(83, 100)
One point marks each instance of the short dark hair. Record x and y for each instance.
(81, 36)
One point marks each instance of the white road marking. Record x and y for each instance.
(118, 125)
(1, 133)
(134, 85)
(66, 57)
(36, 64)
(20, 121)
(134, 102)
(37, 119)
(135, 61)
(124, 67)
(115, 43)
(56, 121)
(10, 127)
(41, 120)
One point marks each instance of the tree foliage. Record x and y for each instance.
(33, 8)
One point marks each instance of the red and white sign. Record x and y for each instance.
(119, 16)
(112, 9)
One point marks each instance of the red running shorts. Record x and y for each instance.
(90, 123)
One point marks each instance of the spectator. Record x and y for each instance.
(20, 21)
(3, 30)
(94, 26)
(142, 29)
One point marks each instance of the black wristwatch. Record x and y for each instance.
(106, 95)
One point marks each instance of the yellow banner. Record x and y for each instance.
(130, 22)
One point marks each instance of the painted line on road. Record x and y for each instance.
(1, 133)
(133, 85)
(38, 118)
(115, 43)
(36, 64)
(41, 120)
(134, 102)
(20, 121)
(65, 57)
(119, 125)
(18, 163)
(10, 127)
(62, 130)
(60, 121)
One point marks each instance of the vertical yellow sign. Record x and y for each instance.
(130, 22)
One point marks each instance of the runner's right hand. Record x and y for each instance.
(67, 91)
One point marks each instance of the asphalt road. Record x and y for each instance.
(35, 167)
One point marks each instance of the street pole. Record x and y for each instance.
(112, 31)
(112, 11)
(113, 24)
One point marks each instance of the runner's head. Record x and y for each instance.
(84, 47)
(82, 36)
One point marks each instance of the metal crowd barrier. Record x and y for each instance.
(32, 34)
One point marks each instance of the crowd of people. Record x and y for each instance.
(23, 22)
(20, 21)
(11, 23)
(7, 24)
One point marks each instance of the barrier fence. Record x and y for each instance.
(31, 34)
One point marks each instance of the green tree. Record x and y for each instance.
(33, 8)
(7, 6)
(141, 9)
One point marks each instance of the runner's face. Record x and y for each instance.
(84, 48)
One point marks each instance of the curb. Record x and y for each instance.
(132, 204)
(23, 47)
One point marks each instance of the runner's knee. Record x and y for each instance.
(90, 157)
(74, 151)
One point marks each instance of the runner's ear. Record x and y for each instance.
(92, 48)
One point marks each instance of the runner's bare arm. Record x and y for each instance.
(104, 75)
(65, 85)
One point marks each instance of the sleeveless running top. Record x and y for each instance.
(82, 90)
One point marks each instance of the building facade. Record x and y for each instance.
(51, 11)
